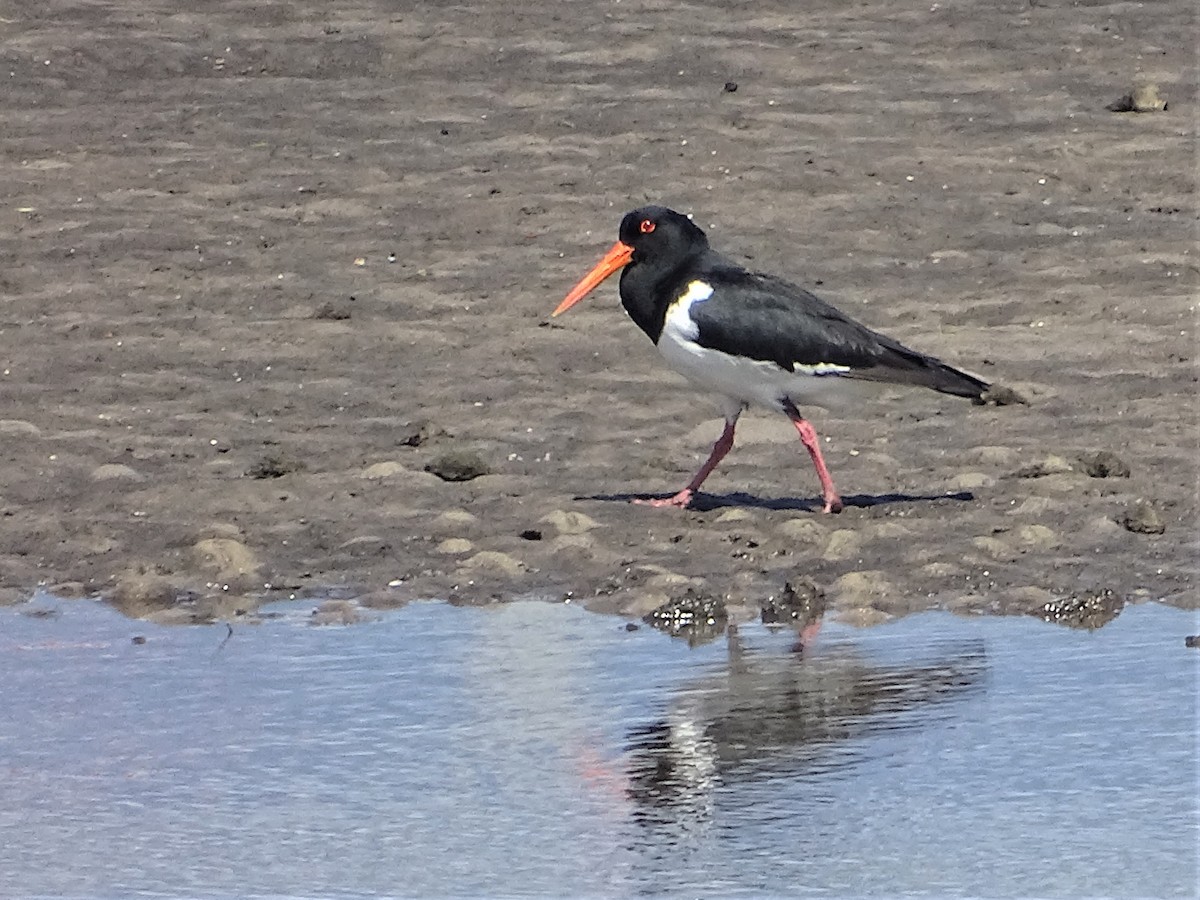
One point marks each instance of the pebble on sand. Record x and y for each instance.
(414, 434)
(1144, 98)
(1103, 464)
(274, 465)
(1143, 518)
(458, 465)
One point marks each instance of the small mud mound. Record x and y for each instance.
(695, 617)
(1088, 610)
(800, 603)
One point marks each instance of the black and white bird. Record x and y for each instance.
(752, 339)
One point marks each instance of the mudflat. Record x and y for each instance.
(277, 278)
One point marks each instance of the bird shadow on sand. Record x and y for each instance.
(742, 500)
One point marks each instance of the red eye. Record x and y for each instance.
(647, 226)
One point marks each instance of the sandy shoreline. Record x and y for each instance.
(265, 266)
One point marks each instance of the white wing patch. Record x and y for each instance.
(679, 321)
(820, 369)
(746, 381)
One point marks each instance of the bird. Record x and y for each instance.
(752, 339)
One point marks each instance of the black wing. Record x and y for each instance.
(770, 319)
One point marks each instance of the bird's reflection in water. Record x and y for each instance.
(771, 715)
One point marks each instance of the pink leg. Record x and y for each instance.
(723, 445)
(808, 634)
(808, 434)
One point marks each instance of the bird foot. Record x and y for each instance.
(833, 504)
(680, 500)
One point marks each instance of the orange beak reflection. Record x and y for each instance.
(614, 260)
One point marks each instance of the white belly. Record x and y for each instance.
(746, 381)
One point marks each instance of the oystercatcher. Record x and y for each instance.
(752, 339)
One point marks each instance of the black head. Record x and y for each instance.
(659, 234)
(657, 238)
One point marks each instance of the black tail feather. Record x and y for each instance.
(949, 380)
(900, 365)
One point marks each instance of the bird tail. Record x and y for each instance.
(900, 365)
(949, 380)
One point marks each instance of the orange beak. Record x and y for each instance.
(614, 260)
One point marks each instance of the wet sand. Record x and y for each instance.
(266, 265)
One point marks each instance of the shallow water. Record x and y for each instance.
(537, 749)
